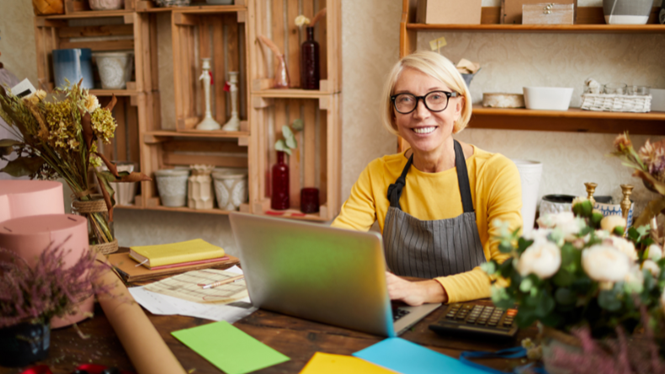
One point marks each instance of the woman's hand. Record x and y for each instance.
(415, 293)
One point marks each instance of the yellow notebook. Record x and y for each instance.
(197, 250)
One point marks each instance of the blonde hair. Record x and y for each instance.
(436, 66)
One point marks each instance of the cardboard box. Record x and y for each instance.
(450, 12)
(511, 10)
(548, 14)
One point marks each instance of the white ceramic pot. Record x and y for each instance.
(530, 172)
(125, 192)
(172, 186)
(230, 187)
(553, 204)
(115, 69)
(106, 4)
(614, 210)
(627, 12)
(547, 98)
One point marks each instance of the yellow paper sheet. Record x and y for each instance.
(325, 363)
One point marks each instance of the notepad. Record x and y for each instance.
(325, 363)
(229, 348)
(191, 251)
(409, 358)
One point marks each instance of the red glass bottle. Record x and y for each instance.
(280, 184)
(309, 62)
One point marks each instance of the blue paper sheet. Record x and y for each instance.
(409, 358)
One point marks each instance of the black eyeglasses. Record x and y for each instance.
(435, 101)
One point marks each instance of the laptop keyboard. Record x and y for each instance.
(399, 313)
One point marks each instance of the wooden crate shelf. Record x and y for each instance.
(314, 163)
(221, 37)
(197, 6)
(122, 32)
(288, 37)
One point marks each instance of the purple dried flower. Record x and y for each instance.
(47, 289)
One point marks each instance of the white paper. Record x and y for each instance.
(23, 89)
(167, 305)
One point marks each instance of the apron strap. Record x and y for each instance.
(463, 179)
(395, 189)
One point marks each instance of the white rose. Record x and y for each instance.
(602, 234)
(634, 279)
(652, 267)
(538, 235)
(655, 252)
(570, 229)
(605, 263)
(625, 246)
(610, 222)
(541, 258)
(552, 220)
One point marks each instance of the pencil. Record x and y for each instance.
(219, 283)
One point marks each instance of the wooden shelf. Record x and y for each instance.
(572, 120)
(294, 214)
(188, 210)
(130, 207)
(90, 14)
(570, 113)
(199, 134)
(292, 93)
(591, 29)
(119, 92)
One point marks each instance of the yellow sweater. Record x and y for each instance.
(495, 189)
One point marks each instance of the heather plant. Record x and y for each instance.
(49, 288)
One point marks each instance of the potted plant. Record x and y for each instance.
(59, 135)
(582, 281)
(31, 295)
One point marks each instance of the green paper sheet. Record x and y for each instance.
(229, 348)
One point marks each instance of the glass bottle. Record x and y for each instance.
(309, 62)
(280, 184)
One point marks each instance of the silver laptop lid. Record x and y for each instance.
(315, 272)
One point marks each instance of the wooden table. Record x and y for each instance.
(296, 338)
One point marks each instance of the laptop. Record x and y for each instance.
(320, 273)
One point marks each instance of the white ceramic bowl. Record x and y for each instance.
(547, 98)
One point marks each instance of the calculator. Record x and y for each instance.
(478, 319)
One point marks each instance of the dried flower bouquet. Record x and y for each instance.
(59, 136)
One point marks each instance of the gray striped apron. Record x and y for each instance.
(429, 249)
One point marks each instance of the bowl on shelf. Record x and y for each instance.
(106, 4)
(172, 186)
(547, 98)
(556, 203)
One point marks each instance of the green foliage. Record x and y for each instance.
(570, 297)
(289, 142)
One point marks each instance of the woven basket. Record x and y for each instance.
(616, 103)
(44, 7)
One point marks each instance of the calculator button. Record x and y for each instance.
(511, 312)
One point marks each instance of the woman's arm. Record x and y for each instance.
(415, 293)
(359, 210)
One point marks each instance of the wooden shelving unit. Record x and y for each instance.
(590, 20)
(316, 161)
(227, 34)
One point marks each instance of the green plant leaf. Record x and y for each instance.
(564, 296)
(609, 300)
(280, 145)
(488, 267)
(286, 131)
(563, 278)
(287, 150)
(23, 166)
(104, 177)
(291, 142)
(526, 285)
(298, 124)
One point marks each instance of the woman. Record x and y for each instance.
(435, 203)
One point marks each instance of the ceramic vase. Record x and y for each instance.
(199, 188)
(106, 4)
(234, 122)
(230, 187)
(208, 122)
(530, 172)
(24, 343)
(627, 12)
(115, 69)
(73, 65)
(172, 186)
(614, 210)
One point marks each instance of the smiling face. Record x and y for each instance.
(429, 133)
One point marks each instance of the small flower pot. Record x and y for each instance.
(106, 4)
(115, 69)
(172, 186)
(230, 187)
(24, 343)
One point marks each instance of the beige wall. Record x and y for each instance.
(370, 41)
